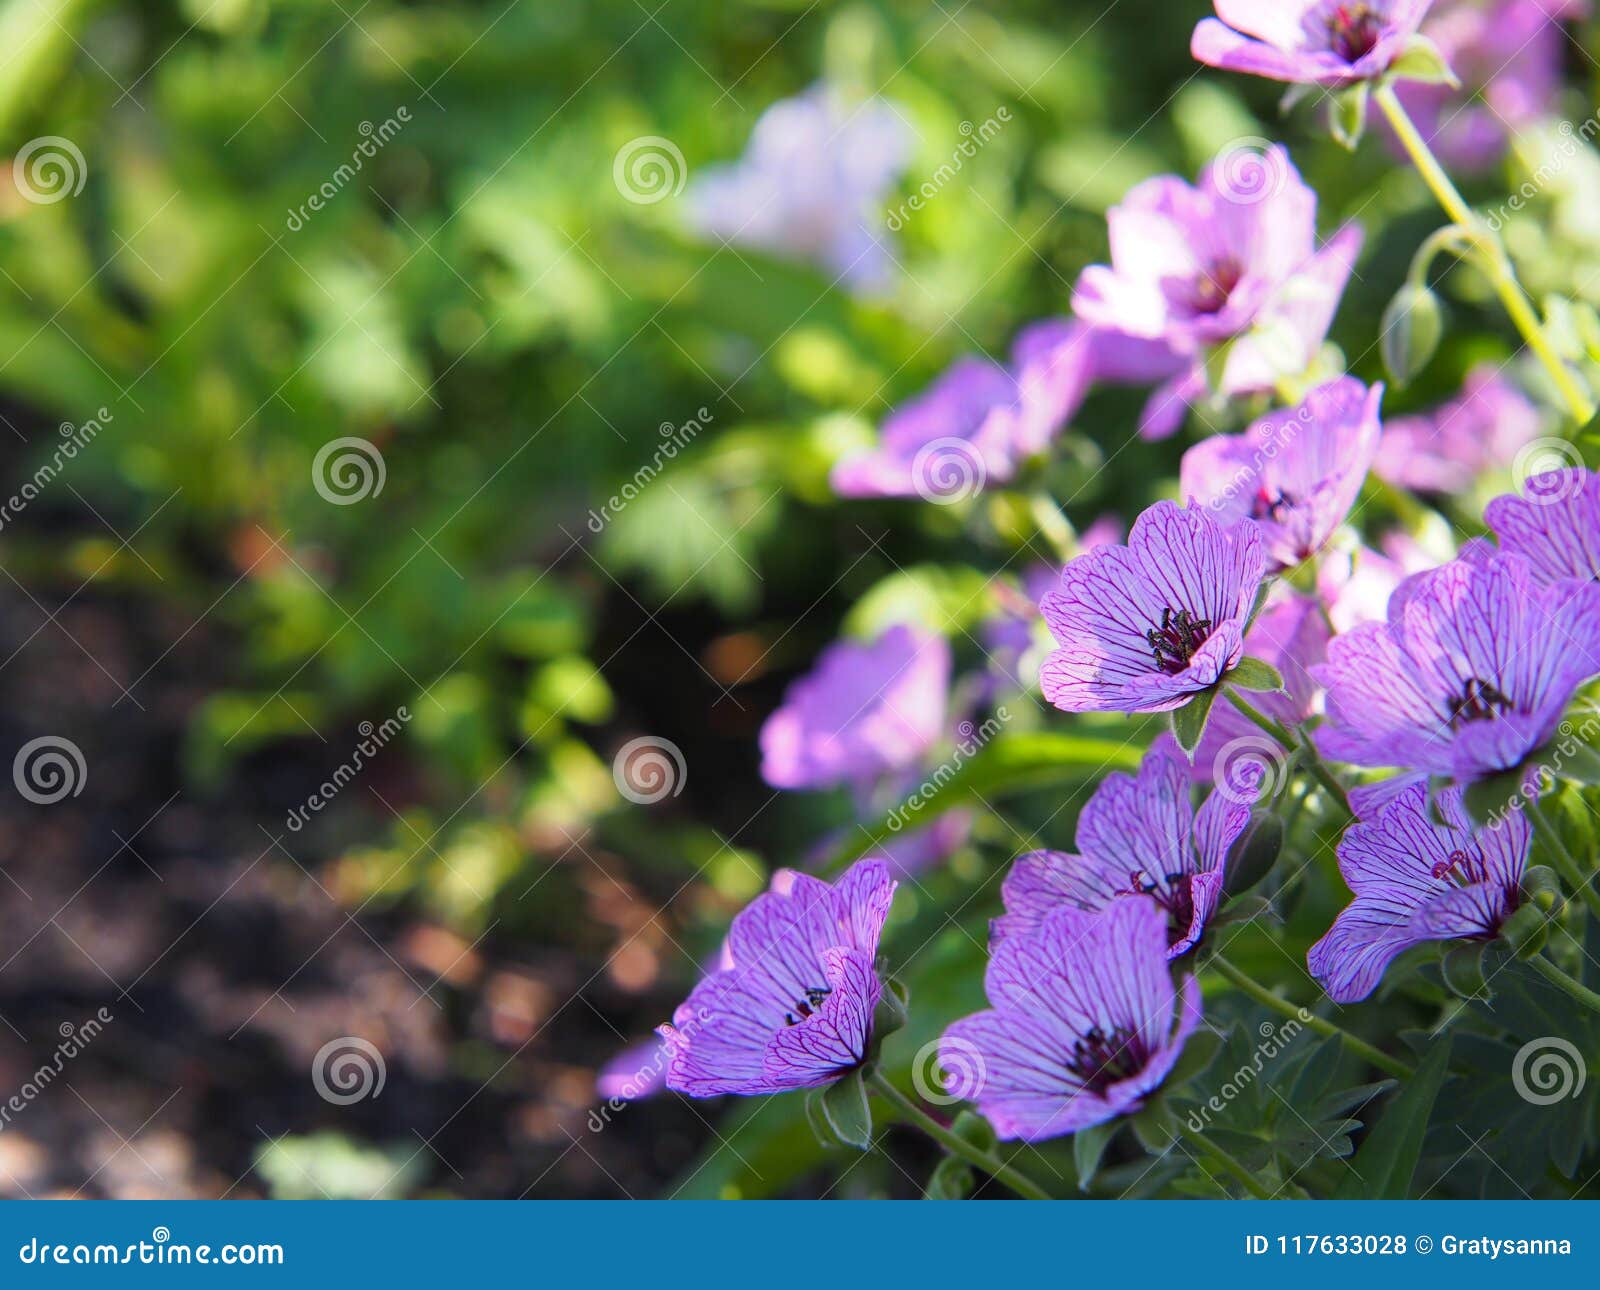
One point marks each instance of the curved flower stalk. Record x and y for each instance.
(862, 711)
(1145, 627)
(1139, 837)
(1296, 473)
(1084, 1023)
(792, 1004)
(1417, 880)
(1231, 262)
(1470, 673)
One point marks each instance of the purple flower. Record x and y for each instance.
(1416, 880)
(1444, 451)
(1234, 259)
(1470, 673)
(1143, 627)
(1137, 837)
(637, 1072)
(1295, 473)
(862, 711)
(811, 185)
(792, 1006)
(1556, 526)
(1082, 1026)
(1313, 42)
(978, 422)
(1507, 55)
(1292, 634)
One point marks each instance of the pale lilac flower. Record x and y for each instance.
(1233, 259)
(862, 711)
(1084, 1023)
(1447, 449)
(1507, 54)
(1138, 836)
(1295, 473)
(978, 422)
(1417, 880)
(792, 1006)
(1471, 672)
(1143, 627)
(1355, 583)
(1555, 525)
(1312, 42)
(811, 185)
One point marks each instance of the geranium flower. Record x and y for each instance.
(1447, 449)
(1470, 673)
(861, 711)
(1295, 473)
(792, 1005)
(1417, 880)
(1507, 55)
(978, 422)
(1143, 627)
(1556, 525)
(1234, 259)
(811, 185)
(1312, 42)
(1084, 1023)
(1138, 836)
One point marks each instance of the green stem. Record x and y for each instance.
(1558, 977)
(955, 1144)
(1496, 262)
(1054, 527)
(1322, 1026)
(1228, 1163)
(1571, 871)
(1282, 734)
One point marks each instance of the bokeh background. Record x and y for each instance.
(485, 305)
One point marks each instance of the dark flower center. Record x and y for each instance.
(1353, 30)
(1174, 643)
(1269, 505)
(1479, 700)
(1212, 287)
(1100, 1060)
(1175, 895)
(815, 994)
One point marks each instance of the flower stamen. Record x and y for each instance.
(1174, 643)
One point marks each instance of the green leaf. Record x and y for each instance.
(1006, 765)
(1254, 852)
(1088, 1146)
(843, 1107)
(1422, 60)
(1189, 721)
(971, 1127)
(1383, 1167)
(1198, 1054)
(1255, 674)
(1348, 120)
(1412, 327)
(952, 1180)
(1491, 799)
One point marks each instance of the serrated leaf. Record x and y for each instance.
(1189, 721)
(1382, 1169)
(1198, 1054)
(1255, 674)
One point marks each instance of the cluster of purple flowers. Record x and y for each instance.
(1441, 674)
